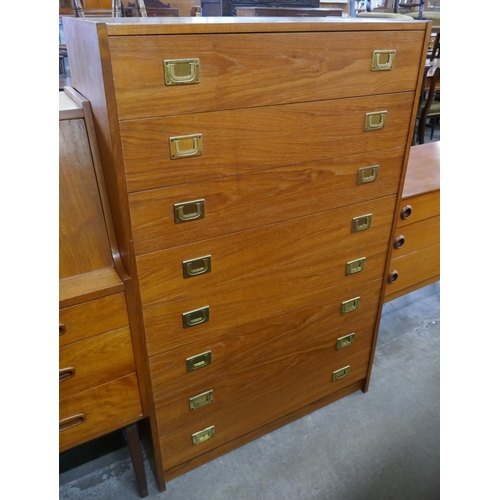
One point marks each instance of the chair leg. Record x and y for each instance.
(134, 446)
(421, 130)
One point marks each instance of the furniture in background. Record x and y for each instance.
(287, 11)
(416, 251)
(230, 7)
(253, 179)
(429, 107)
(98, 370)
(154, 8)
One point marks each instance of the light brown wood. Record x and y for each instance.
(412, 288)
(249, 200)
(83, 241)
(418, 236)
(275, 134)
(415, 267)
(96, 361)
(299, 389)
(278, 344)
(233, 73)
(423, 172)
(256, 433)
(106, 408)
(422, 207)
(93, 318)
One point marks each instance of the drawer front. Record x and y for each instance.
(95, 361)
(418, 208)
(92, 318)
(414, 268)
(265, 354)
(282, 273)
(240, 202)
(311, 248)
(244, 70)
(242, 417)
(96, 412)
(416, 236)
(256, 139)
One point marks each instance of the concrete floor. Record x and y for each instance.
(381, 445)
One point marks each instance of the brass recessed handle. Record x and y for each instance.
(198, 361)
(399, 241)
(195, 317)
(188, 211)
(406, 212)
(204, 435)
(393, 276)
(181, 71)
(383, 60)
(66, 374)
(375, 120)
(195, 267)
(186, 146)
(368, 174)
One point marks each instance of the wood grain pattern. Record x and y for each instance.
(92, 318)
(415, 267)
(96, 361)
(83, 241)
(259, 356)
(106, 408)
(310, 251)
(233, 73)
(236, 203)
(256, 139)
(422, 207)
(418, 235)
(422, 173)
(243, 416)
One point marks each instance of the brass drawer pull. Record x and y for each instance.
(383, 60)
(201, 400)
(345, 341)
(181, 71)
(66, 374)
(69, 422)
(355, 266)
(199, 361)
(399, 241)
(62, 329)
(195, 317)
(361, 223)
(406, 212)
(186, 146)
(393, 276)
(350, 305)
(195, 267)
(204, 435)
(341, 373)
(368, 174)
(375, 120)
(189, 211)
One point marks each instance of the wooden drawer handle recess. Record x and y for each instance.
(62, 329)
(66, 374)
(399, 241)
(393, 276)
(69, 422)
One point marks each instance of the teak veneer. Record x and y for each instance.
(254, 169)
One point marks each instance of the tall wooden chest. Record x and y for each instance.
(254, 167)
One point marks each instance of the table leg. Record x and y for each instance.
(134, 446)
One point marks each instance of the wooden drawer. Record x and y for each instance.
(303, 388)
(421, 207)
(240, 202)
(244, 70)
(414, 268)
(92, 318)
(264, 353)
(262, 272)
(416, 236)
(91, 414)
(95, 361)
(309, 248)
(256, 139)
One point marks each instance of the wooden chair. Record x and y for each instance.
(116, 10)
(429, 105)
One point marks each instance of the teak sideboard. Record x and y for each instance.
(254, 167)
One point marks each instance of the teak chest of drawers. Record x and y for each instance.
(254, 168)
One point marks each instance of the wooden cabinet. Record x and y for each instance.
(99, 390)
(254, 170)
(415, 249)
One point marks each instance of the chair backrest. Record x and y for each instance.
(116, 9)
(428, 95)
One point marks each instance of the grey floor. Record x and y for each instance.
(381, 445)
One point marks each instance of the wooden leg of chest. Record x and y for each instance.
(134, 446)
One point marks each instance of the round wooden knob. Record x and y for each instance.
(406, 212)
(393, 276)
(399, 241)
